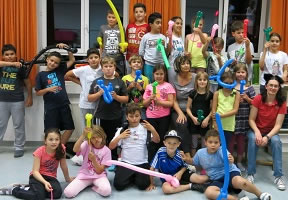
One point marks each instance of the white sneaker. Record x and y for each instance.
(77, 160)
(250, 178)
(280, 183)
(241, 167)
(244, 198)
(191, 168)
(265, 196)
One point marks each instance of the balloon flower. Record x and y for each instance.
(199, 16)
(267, 33)
(200, 116)
(154, 85)
(138, 75)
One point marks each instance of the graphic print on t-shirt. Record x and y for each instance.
(8, 79)
(112, 42)
(52, 81)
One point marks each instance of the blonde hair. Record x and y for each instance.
(199, 75)
(98, 131)
(108, 60)
(135, 57)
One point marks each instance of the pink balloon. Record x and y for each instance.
(245, 27)
(214, 29)
(170, 179)
(170, 26)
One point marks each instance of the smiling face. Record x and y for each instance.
(93, 60)
(136, 64)
(52, 62)
(212, 143)
(111, 20)
(139, 14)
(272, 87)
(241, 74)
(52, 141)
(185, 67)
(202, 81)
(177, 27)
(275, 43)
(96, 141)
(159, 76)
(171, 145)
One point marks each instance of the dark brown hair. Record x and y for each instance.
(60, 153)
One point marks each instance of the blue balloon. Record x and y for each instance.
(224, 190)
(106, 95)
(138, 75)
(221, 71)
(242, 84)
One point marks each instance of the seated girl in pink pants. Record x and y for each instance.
(92, 170)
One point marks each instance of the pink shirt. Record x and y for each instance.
(48, 163)
(87, 170)
(162, 92)
(267, 114)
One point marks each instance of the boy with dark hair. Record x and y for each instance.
(168, 160)
(110, 35)
(135, 31)
(212, 161)
(133, 141)
(12, 81)
(242, 49)
(148, 45)
(51, 85)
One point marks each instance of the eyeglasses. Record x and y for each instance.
(273, 86)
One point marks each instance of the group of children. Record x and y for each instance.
(147, 111)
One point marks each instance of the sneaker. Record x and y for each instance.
(250, 178)
(18, 153)
(241, 167)
(7, 190)
(191, 168)
(244, 198)
(265, 196)
(77, 160)
(280, 183)
(198, 187)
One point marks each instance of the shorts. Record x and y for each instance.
(60, 118)
(220, 182)
(185, 179)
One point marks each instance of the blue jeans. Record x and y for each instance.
(276, 146)
(148, 72)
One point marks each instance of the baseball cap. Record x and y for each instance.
(172, 134)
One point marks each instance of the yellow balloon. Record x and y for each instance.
(99, 40)
(88, 118)
(123, 45)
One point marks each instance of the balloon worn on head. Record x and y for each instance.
(268, 77)
(221, 71)
(138, 75)
(106, 95)
(161, 48)
(267, 33)
(224, 190)
(199, 16)
(242, 84)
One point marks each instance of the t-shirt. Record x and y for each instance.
(212, 163)
(113, 110)
(273, 64)
(167, 165)
(46, 79)
(11, 84)
(134, 148)
(267, 114)
(110, 40)
(195, 48)
(87, 75)
(87, 170)
(201, 102)
(237, 51)
(162, 92)
(48, 163)
(134, 94)
(134, 34)
(177, 49)
(148, 48)
(183, 91)
(213, 65)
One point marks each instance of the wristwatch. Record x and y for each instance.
(267, 137)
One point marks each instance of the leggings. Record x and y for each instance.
(101, 186)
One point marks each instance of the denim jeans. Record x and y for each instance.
(276, 146)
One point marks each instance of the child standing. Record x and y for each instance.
(51, 85)
(158, 106)
(199, 109)
(133, 141)
(43, 178)
(175, 45)
(109, 116)
(135, 31)
(148, 45)
(136, 89)
(226, 103)
(169, 161)
(193, 45)
(110, 35)
(212, 161)
(242, 50)
(12, 81)
(272, 60)
(242, 123)
(84, 76)
(92, 171)
(215, 59)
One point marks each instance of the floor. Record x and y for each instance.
(17, 171)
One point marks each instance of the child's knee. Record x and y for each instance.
(166, 188)
(103, 190)
(69, 193)
(209, 192)
(57, 193)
